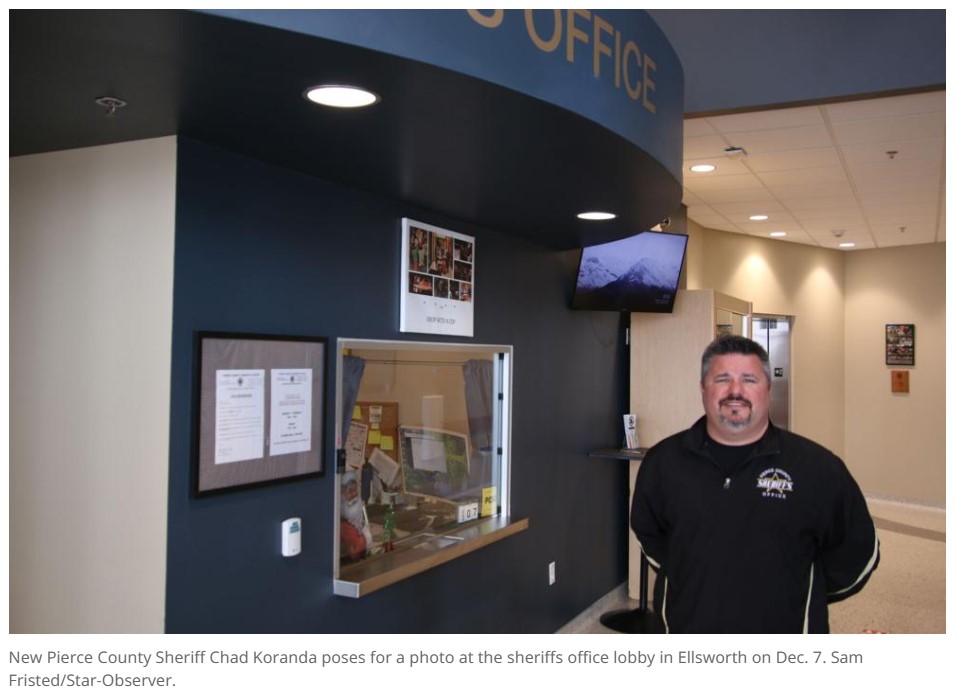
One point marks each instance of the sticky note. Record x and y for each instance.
(488, 501)
(357, 413)
(375, 437)
(386, 443)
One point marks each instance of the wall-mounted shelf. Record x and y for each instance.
(623, 454)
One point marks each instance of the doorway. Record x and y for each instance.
(774, 333)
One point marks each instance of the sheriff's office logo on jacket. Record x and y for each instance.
(775, 483)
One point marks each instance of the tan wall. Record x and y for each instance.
(893, 444)
(91, 295)
(896, 442)
(787, 279)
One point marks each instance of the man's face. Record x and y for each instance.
(736, 395)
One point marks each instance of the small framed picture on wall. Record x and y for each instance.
(437, 280)
(899, 344)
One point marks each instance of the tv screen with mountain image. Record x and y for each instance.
(636, 274)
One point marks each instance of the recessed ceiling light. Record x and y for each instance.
(340, 96)
(596, 215)
(778, 234)
(703, 167)
(759, 217)
(846, 245)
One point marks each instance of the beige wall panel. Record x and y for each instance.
(91, 290)
(896, 443)
(665, 365)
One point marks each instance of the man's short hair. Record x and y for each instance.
(733, 344)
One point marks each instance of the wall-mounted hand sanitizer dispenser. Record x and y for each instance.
(291, 537)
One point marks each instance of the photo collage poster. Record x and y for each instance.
(438, 280)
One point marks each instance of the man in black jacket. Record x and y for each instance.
(750, 528)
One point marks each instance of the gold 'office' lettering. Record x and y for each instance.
(631, 47)
(574, 32)
(492, 21)
(649, 66)
(600, 48)
(631, 68)
(551, 44)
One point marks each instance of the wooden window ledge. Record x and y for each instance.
(422, 552)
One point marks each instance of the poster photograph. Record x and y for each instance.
(438, 280)
(899, 344)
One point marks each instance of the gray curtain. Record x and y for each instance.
(478, 404)
(352, 369)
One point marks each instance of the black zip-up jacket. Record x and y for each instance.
(762, 550)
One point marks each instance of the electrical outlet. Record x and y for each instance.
(551, 573)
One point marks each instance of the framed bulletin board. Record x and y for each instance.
(259, 404)
(373, 438)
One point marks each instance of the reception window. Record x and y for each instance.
(423, 457)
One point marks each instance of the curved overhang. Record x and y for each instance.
(484, 125)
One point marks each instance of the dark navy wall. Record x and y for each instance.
(267, 250)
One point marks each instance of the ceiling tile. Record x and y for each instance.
(749, 208)
(794, 159)
(843, 216)
(900, 240)
(911, 230)
(776, 221)
(796, 236)
(811, 183)
(704, 147)
(786, 139)
(721, 182)
(804, 176)
(829, 225)
(767, 120)
(926, 195)
(695, 127)
(811, 190)
(878, 186)
(849, 234)
(915, 211)
(717, 223)
(689, 199)
(704, 212)
(927, 169)
(927, 126)
(874, 152)
(799, 203)
(748, 194)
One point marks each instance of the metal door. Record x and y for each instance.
(774, 333)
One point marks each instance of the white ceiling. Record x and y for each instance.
(817, 171)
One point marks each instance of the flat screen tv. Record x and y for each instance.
(636, 274)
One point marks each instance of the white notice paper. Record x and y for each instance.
(290, 411)
(240, 415)
(428, 454)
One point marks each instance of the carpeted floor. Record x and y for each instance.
(907, 593)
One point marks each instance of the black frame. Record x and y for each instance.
(261, 354)
(896, 353)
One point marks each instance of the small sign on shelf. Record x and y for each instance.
(631, 431)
